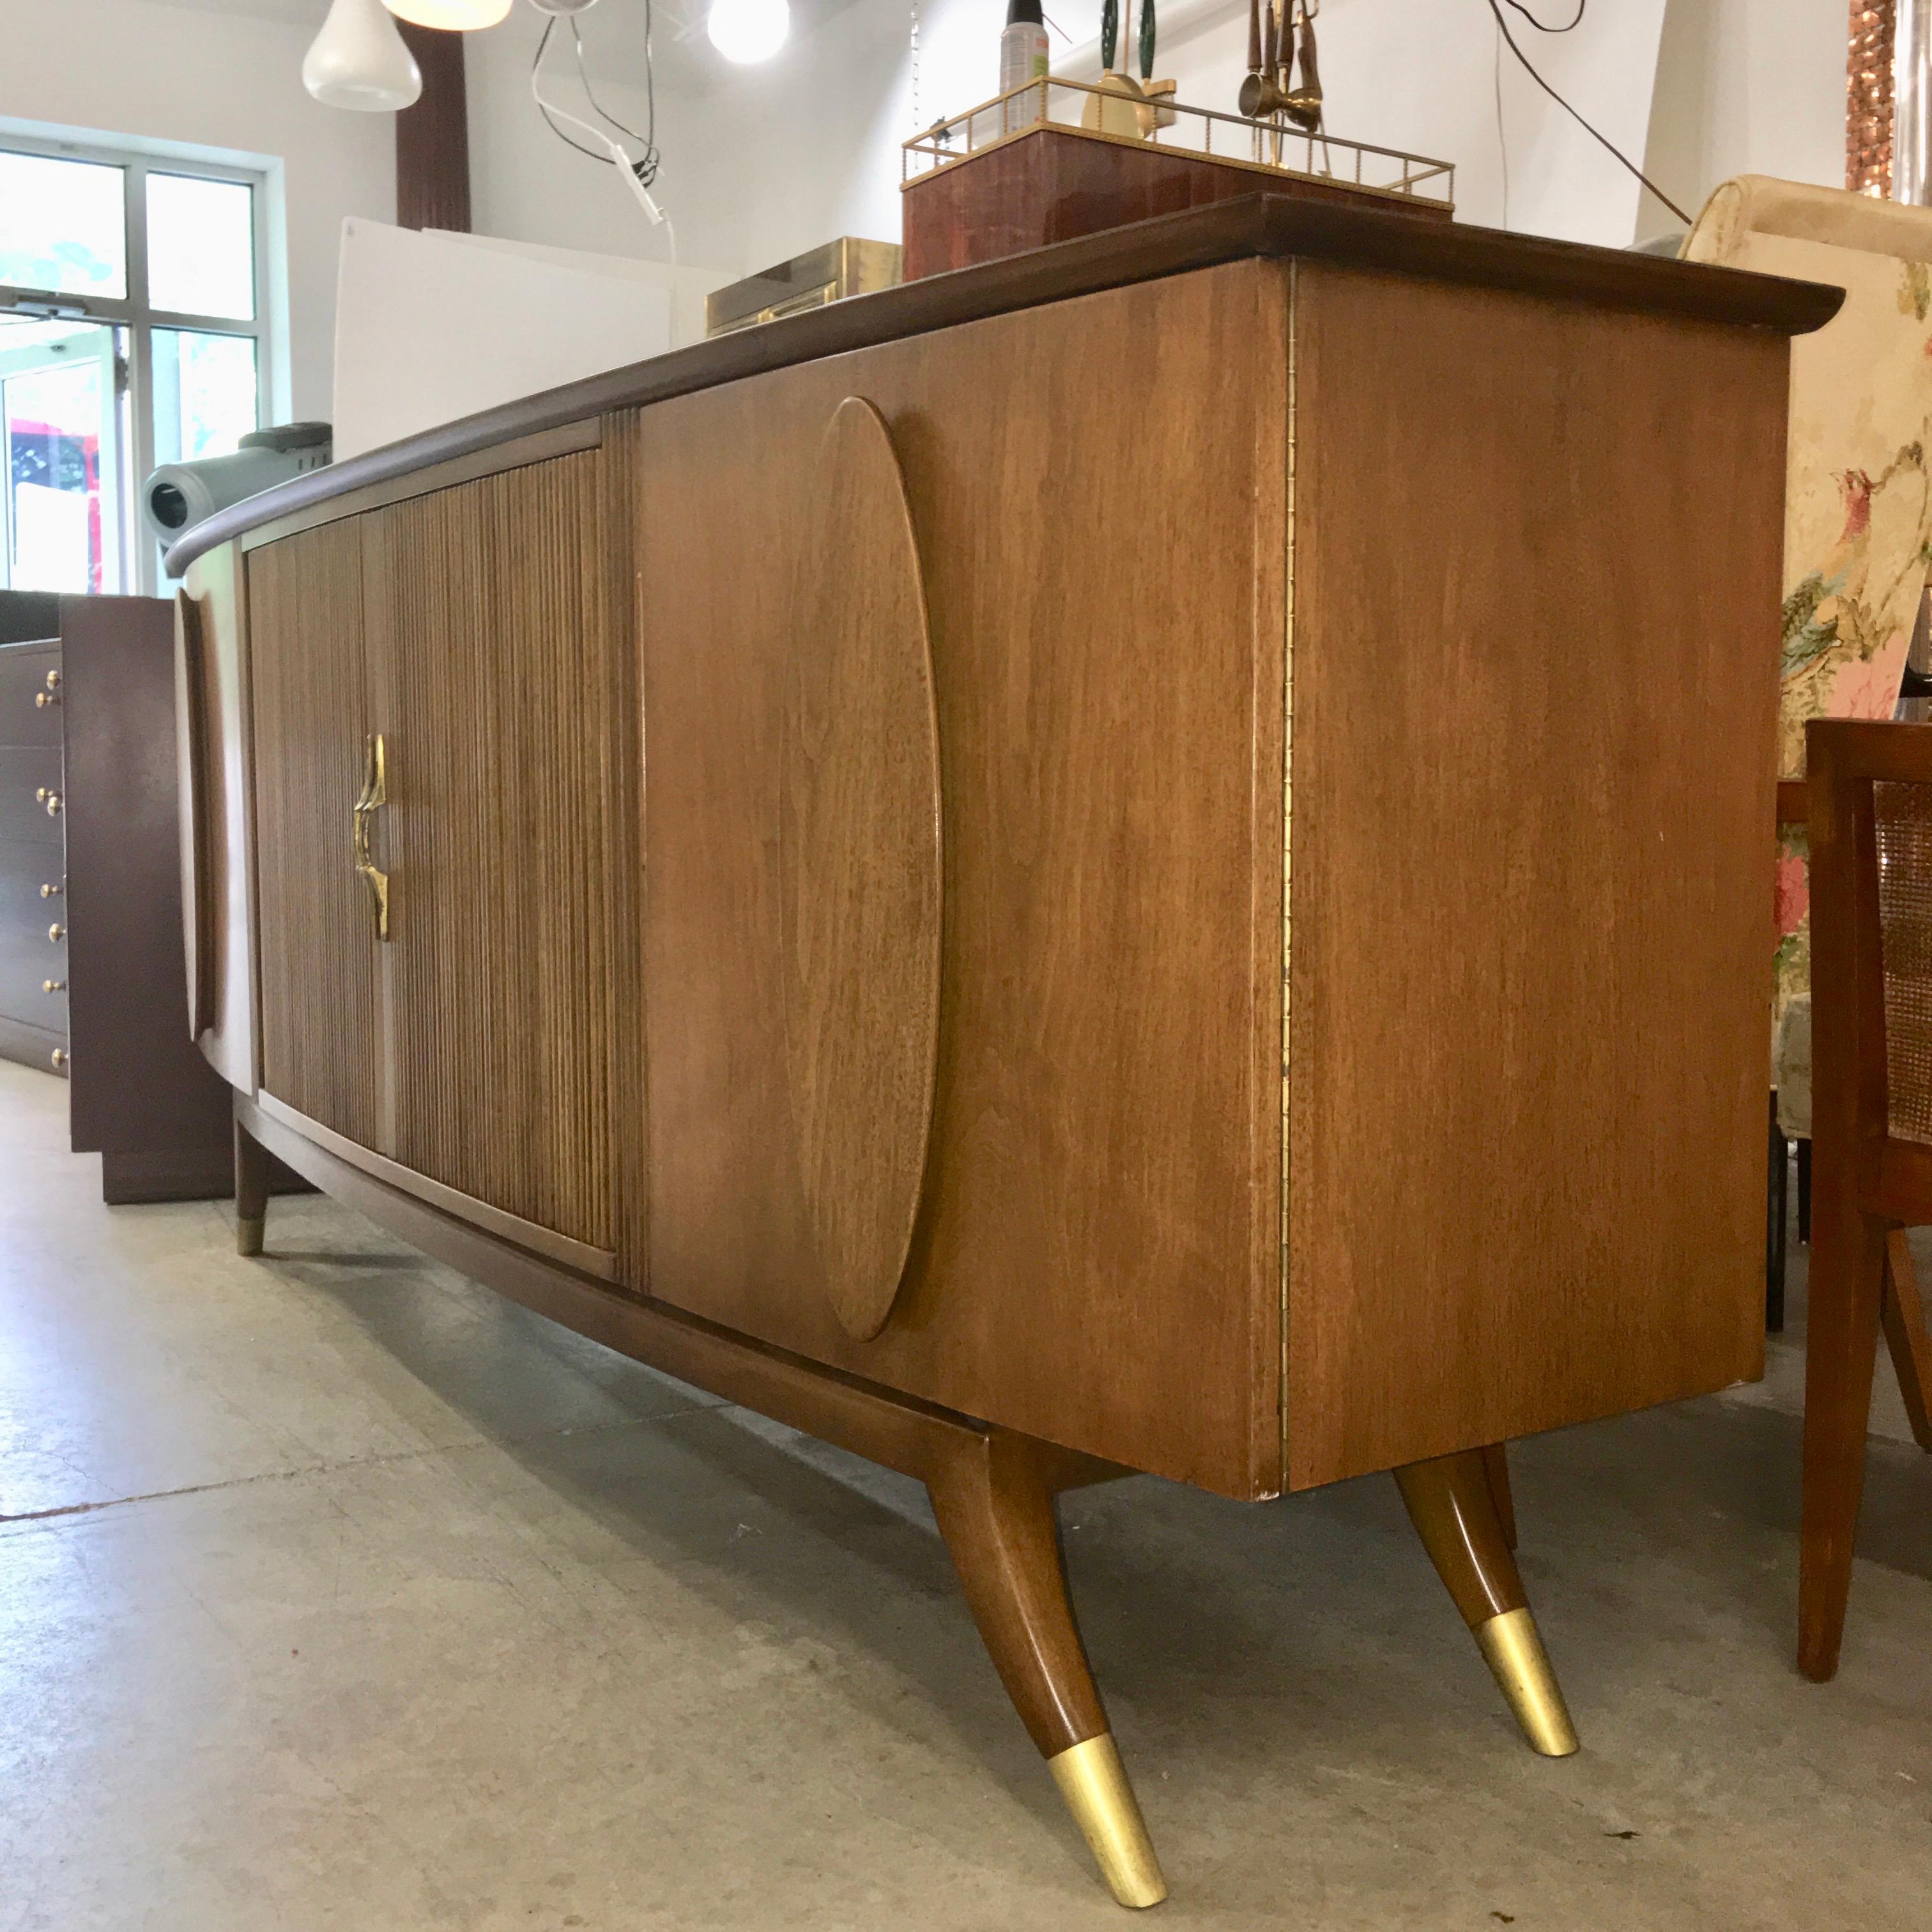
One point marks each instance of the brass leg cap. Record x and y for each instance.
(248, 1229)
(1094, 1782)
(1516, 1657)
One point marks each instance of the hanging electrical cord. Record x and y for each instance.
(1543, 26)
(1509, 40)
(647, 162)
(543, 105)
(1502, 137)
(638, 174)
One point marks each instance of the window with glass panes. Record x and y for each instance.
(133, 332)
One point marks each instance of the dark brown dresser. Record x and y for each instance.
(33, 854)
(88, 812)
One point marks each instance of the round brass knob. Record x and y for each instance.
(53, 804)
(56, 932)
(41, 794)
(53, 985)
(53, 680)
(50, 892)
(59, 1056)
(42, 699)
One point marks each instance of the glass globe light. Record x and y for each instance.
(748, 30)
(359, 61)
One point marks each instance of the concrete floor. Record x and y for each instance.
(334, 1592)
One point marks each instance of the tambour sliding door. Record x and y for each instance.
(321, 985)
(466, 630)
(496, 648)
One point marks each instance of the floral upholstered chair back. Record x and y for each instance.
(1858, 512)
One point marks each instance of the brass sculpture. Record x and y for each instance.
(1271, 91)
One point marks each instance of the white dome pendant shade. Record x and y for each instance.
(747, 31)
(456, 16)
(358, 60)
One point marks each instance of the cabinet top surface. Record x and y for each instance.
(1260, 225)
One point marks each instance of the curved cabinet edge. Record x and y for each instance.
(900, 1431)
(224, 984)
(1269, 227)
(600, 1263)
(191, 770)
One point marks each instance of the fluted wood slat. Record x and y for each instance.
(496, 658)
(320, 990)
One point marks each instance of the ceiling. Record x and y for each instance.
(613, 34)
(268, 10)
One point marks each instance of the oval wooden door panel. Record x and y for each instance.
(860, 872)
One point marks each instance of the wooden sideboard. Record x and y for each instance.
(1049, 872)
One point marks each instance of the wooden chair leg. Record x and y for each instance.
(995, 1504)
(1496, 1467)
(1848, 1257)
(251, 1191)
(1454, 1509)
(1903, 1312)
(1774, 1234)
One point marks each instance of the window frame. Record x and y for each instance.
(140, 561)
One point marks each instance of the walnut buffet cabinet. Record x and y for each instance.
(1053, 871)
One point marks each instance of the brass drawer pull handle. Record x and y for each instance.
(51, 800)
(59, 1056)
(50, 892)
(56, 933)
(375, 795)
(42, 699)
(53, 985)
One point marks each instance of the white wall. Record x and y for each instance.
(779, 157)
(807, 146)
(214, 79)
(1746, 87)
(526, 185)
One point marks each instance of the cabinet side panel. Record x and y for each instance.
(320, 987)
(1097, 1259)
(141, 1091)
(618, 476)
(1537, 572)
(231, 1040)
(488, 602)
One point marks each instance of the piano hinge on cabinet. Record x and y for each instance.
(1292, 400)
(375, 795)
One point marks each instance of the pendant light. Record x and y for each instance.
(456, 16)
(745, 30)
(358, 60)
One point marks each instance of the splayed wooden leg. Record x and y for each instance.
(1496, 1466)
(1841, 1323)
(251, 1191)
(1903, 1312)
(1453, 1508)
(993, 1499)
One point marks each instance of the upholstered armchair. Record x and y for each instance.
(1858, 515)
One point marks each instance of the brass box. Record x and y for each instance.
(849, 266)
